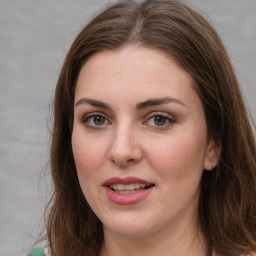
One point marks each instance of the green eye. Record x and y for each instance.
(95, 120)
(160, 120)
(99, 120)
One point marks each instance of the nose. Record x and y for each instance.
(125, 149)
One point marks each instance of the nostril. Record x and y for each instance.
(124, 154)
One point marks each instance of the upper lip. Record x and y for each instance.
(126, 180)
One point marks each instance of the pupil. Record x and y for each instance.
(99, 120)
(159, 120)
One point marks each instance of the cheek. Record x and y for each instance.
(88, 154)
(88, 158)
(178, 158)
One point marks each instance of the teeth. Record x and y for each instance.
(127, 187)
(142, 185)
(120, 186)
(114, 186)
(126, 191)
(137, 185)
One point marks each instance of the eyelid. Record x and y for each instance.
(85, 118)
(168, 116)
(159, 113)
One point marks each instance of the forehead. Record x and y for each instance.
(133, 70)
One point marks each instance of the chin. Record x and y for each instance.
(129, 227)
(130, 231)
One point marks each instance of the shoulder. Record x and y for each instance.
(38, 252)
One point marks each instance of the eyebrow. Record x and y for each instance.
(139, 106)
(158, 101)
(93, 102)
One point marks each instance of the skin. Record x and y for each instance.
(171, 152)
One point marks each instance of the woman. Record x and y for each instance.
(152, 151)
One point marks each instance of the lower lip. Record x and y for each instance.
(126, 199)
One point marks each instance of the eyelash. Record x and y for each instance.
(166, 118)
(93, 115)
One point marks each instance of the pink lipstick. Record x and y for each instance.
(129, 190)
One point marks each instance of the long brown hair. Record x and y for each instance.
(227, 207)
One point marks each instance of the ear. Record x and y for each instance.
(212, 155)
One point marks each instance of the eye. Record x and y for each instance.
(160, 120)
(95, 120)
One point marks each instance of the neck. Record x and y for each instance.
(187, 242)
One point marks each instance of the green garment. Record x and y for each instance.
(36, 252)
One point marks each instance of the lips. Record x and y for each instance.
(129, 190)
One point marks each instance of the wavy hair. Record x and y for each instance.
(227, 205)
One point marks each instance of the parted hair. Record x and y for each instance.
(227, 204)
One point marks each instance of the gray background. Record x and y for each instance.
(35, 35)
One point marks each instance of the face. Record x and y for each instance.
(139, 141)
